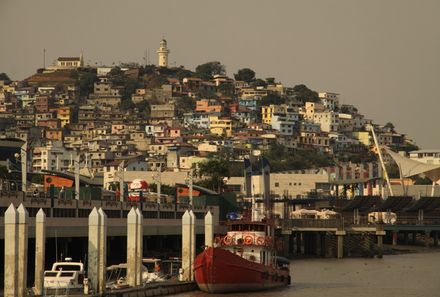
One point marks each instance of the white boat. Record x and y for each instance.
(116, 276)
(64, 276)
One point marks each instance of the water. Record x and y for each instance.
(393, 276)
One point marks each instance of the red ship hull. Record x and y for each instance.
(219, 271)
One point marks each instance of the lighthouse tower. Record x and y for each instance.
(162, 54)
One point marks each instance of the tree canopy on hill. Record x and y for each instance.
(272, 99)
(4, 76)
(245, 74)
(208, 70)
(281, 159)
(304, 94)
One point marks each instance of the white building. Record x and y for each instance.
(285, 123)
(426, 156)
(328, 120)
(53, 156)
(329, 100)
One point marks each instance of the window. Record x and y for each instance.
(277, 185)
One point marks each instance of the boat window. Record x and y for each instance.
(65, 274)
(50, 273)
(68, 267)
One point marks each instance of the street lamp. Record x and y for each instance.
(189, 183)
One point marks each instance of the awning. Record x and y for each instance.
(411, 167)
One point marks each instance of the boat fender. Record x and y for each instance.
(260, 240)
(248, 240)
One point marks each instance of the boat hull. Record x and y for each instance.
(217, 270)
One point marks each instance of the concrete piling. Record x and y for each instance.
(40, 251)
(395, 235)
(102, 266)
(139, 248)
(380, 234)
(340, 248)
(11, 252)
(193, 242)
(132, 238)
(209, 229)
(94, 248)
(187, 245)
(23, 221)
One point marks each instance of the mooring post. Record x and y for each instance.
(427, 237)
(395, 235)
(132, 237)
(94, 248)
(340, 249)
(193, 242)
(380, 234)
(11, 252)
(40, 251)
(186, 246)
(209, 229)
(139, 247)
(23, 220)
(102, 266)
(435, 238)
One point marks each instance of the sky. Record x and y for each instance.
(381, 56)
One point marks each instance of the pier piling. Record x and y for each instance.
(11, 252)
(209, 229)
(139, 247)
(23, 221)
(102, 266)
(94, 248)
(132, 238)
(40, 251)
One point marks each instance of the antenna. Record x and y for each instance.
(44, 58)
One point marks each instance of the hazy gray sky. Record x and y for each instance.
(382, 56)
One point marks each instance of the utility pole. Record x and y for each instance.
(189, 183)
(44, 58)
(158, 179)
(24, 168)
(121, 181)
(379, 152)
(77, 177)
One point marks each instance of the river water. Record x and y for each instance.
(402, 275)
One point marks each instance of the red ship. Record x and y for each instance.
(243, 260)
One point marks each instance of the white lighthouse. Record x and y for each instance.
(162, 53)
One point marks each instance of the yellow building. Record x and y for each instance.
(220, 126)
(64, 114)
(268, 111)
(363, 137)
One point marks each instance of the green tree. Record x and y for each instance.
(216, 168)
(127, 104)
(304, 94)
(184, 104)
(208, 70)
(270, 80)
(227, 89)
(116, 71)
(245, 74)
(389, 126)
(4, 76)
(85, 83)
(259, 83)
(143, 107)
